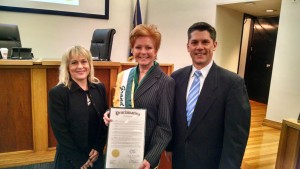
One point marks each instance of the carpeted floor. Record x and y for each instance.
(49, 165)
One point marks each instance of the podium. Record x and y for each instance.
(288, 156)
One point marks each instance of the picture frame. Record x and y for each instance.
(30, 9)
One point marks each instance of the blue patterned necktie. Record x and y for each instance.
(193, 97)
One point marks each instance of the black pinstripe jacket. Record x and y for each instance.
(155, 93)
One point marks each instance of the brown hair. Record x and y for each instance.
(202, 26)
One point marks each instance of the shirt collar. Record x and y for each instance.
(137, 73)
(75, 86)
(204, 71)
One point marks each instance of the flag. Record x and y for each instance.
(137, 19)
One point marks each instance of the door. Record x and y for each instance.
(260, 56)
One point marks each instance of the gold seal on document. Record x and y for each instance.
(115, 153)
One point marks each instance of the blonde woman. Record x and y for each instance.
(76, 105)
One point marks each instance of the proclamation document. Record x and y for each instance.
(126, 138)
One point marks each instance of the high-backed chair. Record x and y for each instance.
(101, 44)
(9, 37)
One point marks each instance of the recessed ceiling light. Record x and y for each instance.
(270, 10)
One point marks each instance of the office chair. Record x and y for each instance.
(9, 37)
(101, 44)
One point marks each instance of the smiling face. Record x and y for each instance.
(201, 47)
(144, 51)
(79, 68)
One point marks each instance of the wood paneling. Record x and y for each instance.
(107, 73)
(39, 109)
(52, 80)
(104, 76)
(15, 110)
(288, 151)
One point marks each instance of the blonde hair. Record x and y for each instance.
(143, 30)
(75, 51)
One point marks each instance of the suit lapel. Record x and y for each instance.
(206, 98)
(149, 80)
(181, 91)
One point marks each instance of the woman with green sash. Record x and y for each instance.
(147, 86)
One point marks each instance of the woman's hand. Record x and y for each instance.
(94, 155)
(106, 118)
(88, 164)
(168, 156)
(83, 167)
(145, 165)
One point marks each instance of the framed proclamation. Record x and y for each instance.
(126, 138)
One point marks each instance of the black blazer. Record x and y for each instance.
(155, 94)
(218, 133)
(68, 114)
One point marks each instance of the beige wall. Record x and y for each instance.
(173, 19)
(229, 24)
(284, 97)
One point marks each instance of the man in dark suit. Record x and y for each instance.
(214, 134)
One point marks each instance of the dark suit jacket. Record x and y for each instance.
(68, 114)
(218, 133)
(155, 93)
